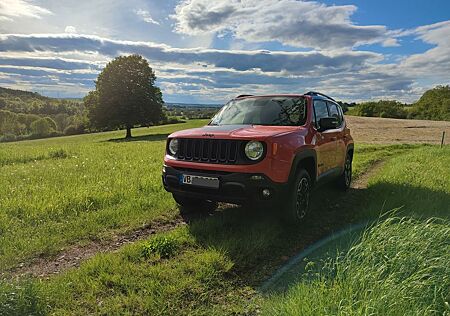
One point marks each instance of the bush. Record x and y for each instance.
(74, 130)
(392, 109)
(43, 127)
(7, 138)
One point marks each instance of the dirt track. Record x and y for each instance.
(385, 130)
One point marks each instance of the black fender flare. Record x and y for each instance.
(302, 154)
(350, 146)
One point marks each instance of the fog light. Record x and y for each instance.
(266, 193)
(164, 169)
(256, 177)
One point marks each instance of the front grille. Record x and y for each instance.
(220, 151)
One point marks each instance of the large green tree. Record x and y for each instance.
(125, 95)
(433, 105)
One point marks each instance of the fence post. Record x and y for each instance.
(442, 140)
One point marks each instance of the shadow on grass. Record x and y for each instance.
(257, 241)
(149, 138)
(418, 202)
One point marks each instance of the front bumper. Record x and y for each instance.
(238, 188)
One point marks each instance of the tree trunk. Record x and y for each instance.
(128, 132)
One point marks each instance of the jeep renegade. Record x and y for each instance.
(261, 150)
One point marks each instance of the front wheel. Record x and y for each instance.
(297, 205)
(191, 205)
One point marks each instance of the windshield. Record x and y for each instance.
(279, 111)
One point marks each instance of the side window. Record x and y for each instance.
(341, 114)
(320, 110)
(334, 112)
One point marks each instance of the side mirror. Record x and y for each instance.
(328, 123)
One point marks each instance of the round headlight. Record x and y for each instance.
(173, 146)
(254, 150)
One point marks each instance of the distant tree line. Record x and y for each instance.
(190, 112)
(434, 104)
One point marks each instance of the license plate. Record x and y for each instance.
(200, 181)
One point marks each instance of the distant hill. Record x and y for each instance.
(19, 101)
(5, 92)
(25, 114)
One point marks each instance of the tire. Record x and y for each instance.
(345, 179)
(191, 205)
(298, 198)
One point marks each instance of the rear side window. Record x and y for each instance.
(320, 110)
(334, 112)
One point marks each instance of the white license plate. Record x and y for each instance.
(200, 181)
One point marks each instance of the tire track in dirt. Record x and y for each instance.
(43, 267)
(362, 181)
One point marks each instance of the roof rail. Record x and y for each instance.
(320, 94)
(244, 95)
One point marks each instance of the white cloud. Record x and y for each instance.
(266, 61)
(21, 8)
(146, 17)
(291, 22)
(70, 29)
(5, 18)
(435, 62)
(72, 61)
(390, 42)
(204, 74)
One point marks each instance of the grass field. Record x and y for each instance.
(59, 192)
(64, 190)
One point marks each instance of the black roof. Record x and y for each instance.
(315, 93)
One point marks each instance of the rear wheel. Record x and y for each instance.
(190, 205)
(345, 179)
(297, 205)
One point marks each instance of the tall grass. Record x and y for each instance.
(400, 267)
(56, 192)
(417, 182)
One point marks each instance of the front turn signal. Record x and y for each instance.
(274, 149)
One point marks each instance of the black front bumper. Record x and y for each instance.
(238, 188)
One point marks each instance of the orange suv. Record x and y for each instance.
(270, 149)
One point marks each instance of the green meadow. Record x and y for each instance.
(60, 192)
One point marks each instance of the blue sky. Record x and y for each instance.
(207, 51)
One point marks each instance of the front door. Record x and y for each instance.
(341, 152)
(326, 141)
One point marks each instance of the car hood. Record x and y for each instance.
(235, 131)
